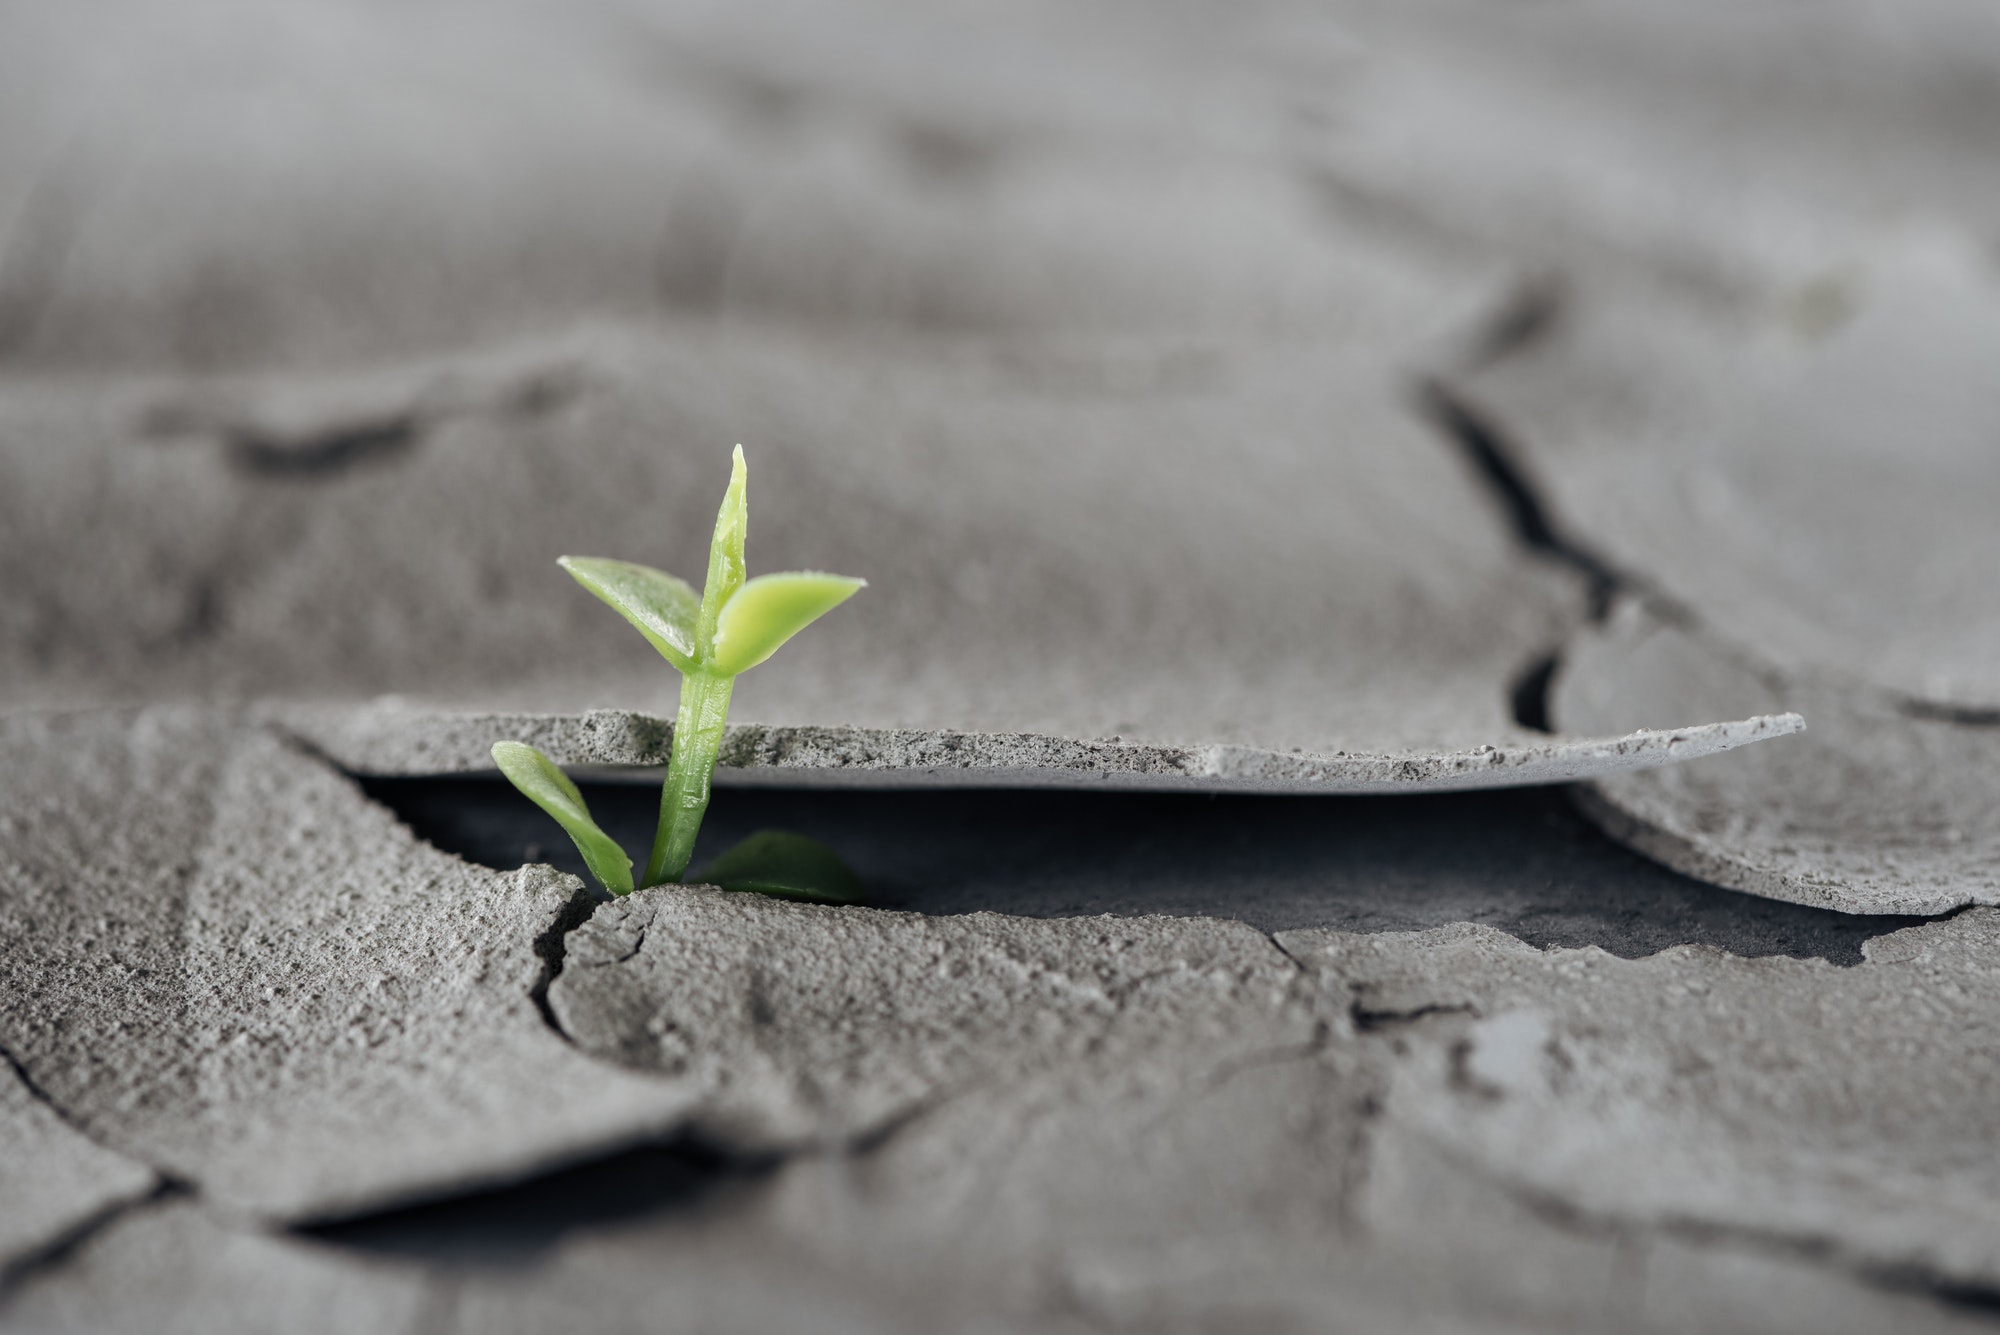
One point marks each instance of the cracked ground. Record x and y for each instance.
(1422, 736)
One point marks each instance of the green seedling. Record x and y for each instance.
(734, 624)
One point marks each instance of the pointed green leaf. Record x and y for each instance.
(725, 552)
(769, 610)
(663, 608)
(789, 866)
(550, 789)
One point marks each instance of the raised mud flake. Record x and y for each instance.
(331, 1016)
(1696, 1094)
(392, 738)
(1876, 809)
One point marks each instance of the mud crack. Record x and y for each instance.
(1496, 461)
(1370, 1021)
(1958, 1292)
(324, 453)
(552, 949)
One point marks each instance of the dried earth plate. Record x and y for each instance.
(1882, 807)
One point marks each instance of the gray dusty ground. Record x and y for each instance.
(923, 1120)
(1330, 399)
(227, 963)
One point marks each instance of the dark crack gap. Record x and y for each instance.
(1933, 711)
(1530, 314)
(1981, 1300)
(552, 948)
(63, 1115)
(324, 453)
(1528, 697)
(42, 1096)
(1496, 462)
(1371, 1021)
(1520, 860)
(507, 1226)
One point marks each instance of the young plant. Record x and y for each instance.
(730, 627)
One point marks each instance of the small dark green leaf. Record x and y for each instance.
(542, 783)
(662, 607)
(788, 866)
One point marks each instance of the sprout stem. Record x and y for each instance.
(704, 710)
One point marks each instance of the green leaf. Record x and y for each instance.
(550, 789)
(725, 551)
(788, 866)
(664, 608)
(769, 610)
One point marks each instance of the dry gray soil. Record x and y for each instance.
(1424, 734)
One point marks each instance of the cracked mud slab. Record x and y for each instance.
(832, 1024)
(1782, 1105)
(227, 963)
(1879, 808)
(1156, 1124)
(1813, 478)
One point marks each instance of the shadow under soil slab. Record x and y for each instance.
(1522, 860)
